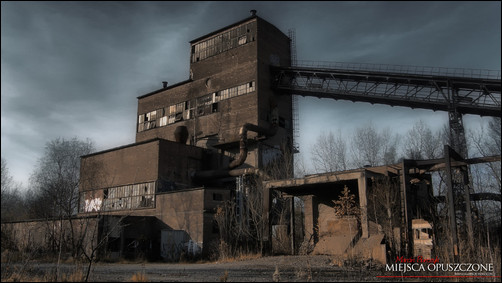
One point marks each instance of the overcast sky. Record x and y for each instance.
(76, 68)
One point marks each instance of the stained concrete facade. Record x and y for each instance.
(192, 128)
(152, 179)
(229, 85)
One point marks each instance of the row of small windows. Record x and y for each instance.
(119, 198)
(186, 110)
(223, 42)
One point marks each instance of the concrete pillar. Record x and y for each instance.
(292, 223)
(311, 216)
(363, 204)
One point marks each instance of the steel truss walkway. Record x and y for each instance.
(466, 91)
(458, 91)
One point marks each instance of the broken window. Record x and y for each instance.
(242, 40)
(129, 197)
(186, 110)
(222, 42)
(163, 121)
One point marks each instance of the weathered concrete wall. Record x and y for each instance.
(371, 247)
(126, 165)
(273, 49)
(335, 234)
(190, 210)
(183, 211)
(141, 162)
(44, 235)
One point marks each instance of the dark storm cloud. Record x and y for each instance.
(76, 68)
(396, 32)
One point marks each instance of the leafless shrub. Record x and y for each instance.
(276, 277)
(224, 277)
(139, 277)
(304, 274)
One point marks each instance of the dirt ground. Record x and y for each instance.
(289, 269)
(316, 268)
(264, 269)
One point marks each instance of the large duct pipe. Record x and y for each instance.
(243, 147)
(243, 152)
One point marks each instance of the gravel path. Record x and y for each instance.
(318, 268)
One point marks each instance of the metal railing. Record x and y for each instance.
(403, 69)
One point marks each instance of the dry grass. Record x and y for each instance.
(304, 275)
(25, 275)
(224, 278)
(240, 257)
(76, 276)
(139, 277)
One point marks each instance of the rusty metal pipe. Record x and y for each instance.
(243, 152)
(243, 134)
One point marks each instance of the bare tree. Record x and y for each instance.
(384, 208)
(12, 200)
(55, 182)
(371, 147)
(486, 177)
(58, 171)
(329, 153)
(7, 180)
(390, 145)
(299, 165)
(421, 143)
(488, 143)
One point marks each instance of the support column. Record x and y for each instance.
(292, 224)
(363, 204)
(406, 221)
(457, 133)
(451, 205)
(458, 185)
(311, 215)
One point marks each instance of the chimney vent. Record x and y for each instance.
(164, 84)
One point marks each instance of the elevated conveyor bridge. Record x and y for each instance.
(457, 91)
(468, 91)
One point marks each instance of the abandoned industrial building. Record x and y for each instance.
(200, 143)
